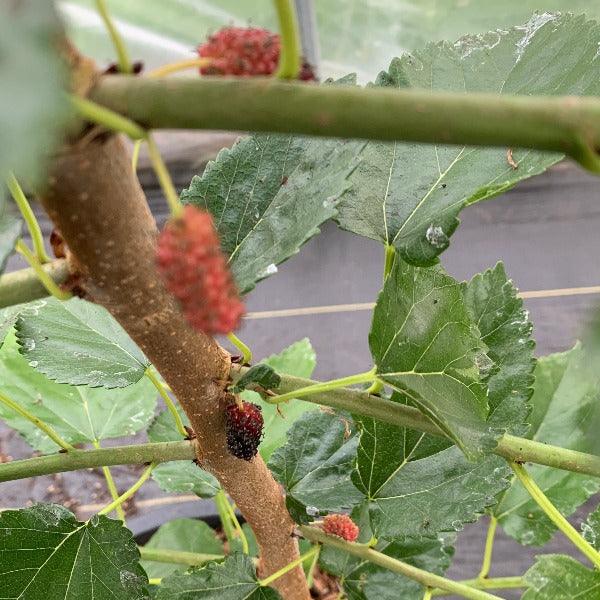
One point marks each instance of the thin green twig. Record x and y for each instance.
(168, 401)
(289, 58)
(325, 386)
(314, 534)
(243, 348)
(95, 113)
(135, 155)
(164, 178)
(313, 565)
(177, 557)
(111, 485)
(229, 521)
(555, 515)
(281, 572)
(222, 505)
(489, 547)
(491, 583)
(45, 279)
(238, 528)
(47, 429)
(119, 45)
(128, 493)
(28, 215)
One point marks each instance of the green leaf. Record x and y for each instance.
(565, 401)
(493, 305)
(558, 577)
(298, 360)
(315, 465)
(33, 105)
(362, 580)
(80, 343)
(10, 230)
(416, 483)
(233, 579)
(426, 348)
(188, 535)
(261, 375)
(45, 553)
(268, 195)
(179, 476)
(78, 414)
(591, 528)
(408, 194)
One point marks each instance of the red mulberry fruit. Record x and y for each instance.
(244, 52)
(244, 429)
(341, 526)
(194, 268)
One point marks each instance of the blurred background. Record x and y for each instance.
(546, 230)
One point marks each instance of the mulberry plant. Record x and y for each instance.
(356, 487)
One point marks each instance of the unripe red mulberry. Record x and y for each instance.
(244, 429)
(194, 268)
(341, 526)
(243, 52)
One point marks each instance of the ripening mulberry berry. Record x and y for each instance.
(341, 526)
(244, 429)
(243, 52)
(194, 268)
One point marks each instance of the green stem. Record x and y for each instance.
(167, 399)
(428, 594)
(177, 557)
(492, 583)
(95, 113)
(47, 429)
(245, 350)
(326, 386)
(33, 226)
(24, 285)
(354, 401)
(310, 576)
(112, 487)
(222, 505)
(390, 254)
(74, 460)
(375, 387)
(289, 58)
(128, 493)
(120, 48)
(274, 576)
(164, 179)
(42, 275)
(489, 547)
(238, 528)
(555, 515)
(509, 446)
(560, 124)
(135, 155)
(387, 562)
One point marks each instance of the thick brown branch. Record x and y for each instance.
(96, 201)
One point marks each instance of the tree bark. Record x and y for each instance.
(95, 199)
